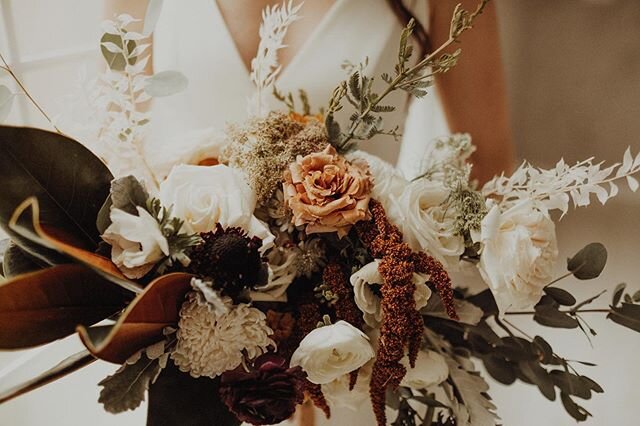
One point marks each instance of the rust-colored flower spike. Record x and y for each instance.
(402, 324)
(345, 306)
(440, 278)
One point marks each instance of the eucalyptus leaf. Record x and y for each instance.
(166, 83)
(69, 182)
(561, 296)
(152, 15)
(538, 375)
(111, 48)
(589, 262)
(500, 369)
(126, 388)
(545, 349)
(617, 293)
(6, 101)
(468, 313)
(574, 410)
(571, 384)
(627, 315)
(550, 316)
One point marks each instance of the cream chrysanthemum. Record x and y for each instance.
(210, 342)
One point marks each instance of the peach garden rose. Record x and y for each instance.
(326, 192)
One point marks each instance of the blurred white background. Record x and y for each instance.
(574, 78)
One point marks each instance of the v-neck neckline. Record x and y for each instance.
(310, 39)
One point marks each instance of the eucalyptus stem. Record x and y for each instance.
(581, 311)
(15, 78)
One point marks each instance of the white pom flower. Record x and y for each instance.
(331, 351)
(518, 255)
(431, 369)
(368, 300)
(137, 243)
(210, 342)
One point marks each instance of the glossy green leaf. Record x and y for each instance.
(111, 48)
(69, 182)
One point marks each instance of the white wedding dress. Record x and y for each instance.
(195, 41)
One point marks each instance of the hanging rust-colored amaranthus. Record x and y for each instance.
(345, 306)
(440, 278)
(308, 319)
(402, 325)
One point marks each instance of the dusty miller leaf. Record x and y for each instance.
(126, 388)
(472, 389)
(166, 83)
(151, 16)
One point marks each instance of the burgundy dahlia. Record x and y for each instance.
(265, 395)
(230, 258)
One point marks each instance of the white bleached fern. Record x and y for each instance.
(106, 113)
(265, 66)
(555, 188)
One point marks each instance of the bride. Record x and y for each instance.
(212, 43)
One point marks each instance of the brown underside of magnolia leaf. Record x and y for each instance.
(60, 240)
(43, 306)
(142, 323)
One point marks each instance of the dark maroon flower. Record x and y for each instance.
(267, 394)
(230, 258)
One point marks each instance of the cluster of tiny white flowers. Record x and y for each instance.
(211, 341)
(555, 188)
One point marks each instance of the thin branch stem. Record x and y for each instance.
(27, 94)
(582, 311)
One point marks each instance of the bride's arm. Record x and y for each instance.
(473, 93)
(135, 8)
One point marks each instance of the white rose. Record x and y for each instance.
(337, 392)
(369, 302)
(205, 196)
(191, 148)
(431, 369)
(426, 222)
(331, 351)
(137, 243)
(388, 182)
(518, 255)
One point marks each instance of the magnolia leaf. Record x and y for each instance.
(111, 48)
(176, 398)
(561, 296)
(15, 262)
(60, 370)
(26, 222)
(589, 262)
(142, 323)
(6, 101)
(152, 16)
(126, 388)
(69, 182)
(166, 83)
(472, 389)
(627, 314)
(43, 306)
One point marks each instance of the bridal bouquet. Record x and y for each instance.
(275, 262)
